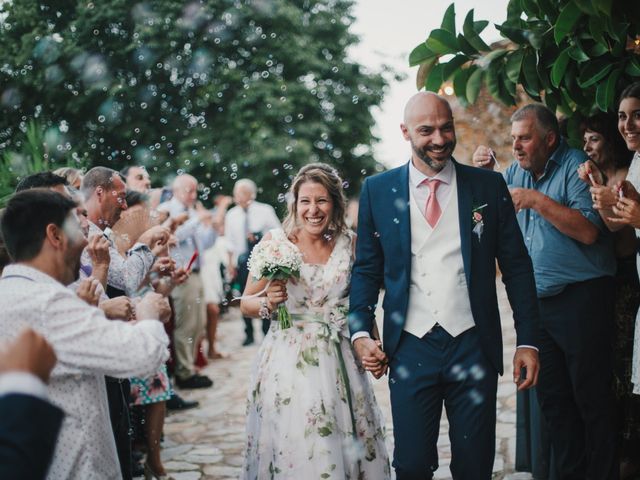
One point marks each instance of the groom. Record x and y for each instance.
(429, 232)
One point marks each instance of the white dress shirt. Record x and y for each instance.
(421, 192)
(261, 218)
(88, 347)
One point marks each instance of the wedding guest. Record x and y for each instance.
(151, 393)
(72, 175)
(194, 237)
(608, 164)
(44, 238)
(311, 409)
(104, 195)
(574, 264)
(43, 180)
(244, 224)
(136, 178)
(215, 259)
(29, 424)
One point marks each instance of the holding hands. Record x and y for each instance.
(371, 356)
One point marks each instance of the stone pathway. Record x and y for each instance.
(207, 442)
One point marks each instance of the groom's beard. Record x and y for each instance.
(435, 164)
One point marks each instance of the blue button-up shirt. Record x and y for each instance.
(559, 260)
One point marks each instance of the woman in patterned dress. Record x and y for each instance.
(311, 409)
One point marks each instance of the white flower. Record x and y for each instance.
(275, 258)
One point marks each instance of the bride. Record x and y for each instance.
(311, 410)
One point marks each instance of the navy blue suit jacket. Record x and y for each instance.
(29, 428)
(383, 258)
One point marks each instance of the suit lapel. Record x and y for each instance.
(465, 220)
(402, 206)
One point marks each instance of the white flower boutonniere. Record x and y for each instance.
(478, 221)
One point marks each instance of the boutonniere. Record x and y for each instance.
(478, 220)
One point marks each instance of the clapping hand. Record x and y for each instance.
(118, 308)
(88, 291)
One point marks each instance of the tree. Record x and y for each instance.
(573, 55)
(218, 88)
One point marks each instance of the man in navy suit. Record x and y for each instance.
(429, 233)
(29, 424)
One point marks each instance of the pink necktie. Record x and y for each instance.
(432, 211)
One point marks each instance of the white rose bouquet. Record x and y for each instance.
(276, 260)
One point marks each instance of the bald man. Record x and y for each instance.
(194, 235)
(430, 231)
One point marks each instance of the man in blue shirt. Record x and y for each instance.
(573, 262)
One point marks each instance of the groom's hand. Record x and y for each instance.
(371, 356)
(526, 358)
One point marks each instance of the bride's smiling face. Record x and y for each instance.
(314, 206)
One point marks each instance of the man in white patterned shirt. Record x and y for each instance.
(44, 238)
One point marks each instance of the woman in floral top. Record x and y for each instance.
(311, 410)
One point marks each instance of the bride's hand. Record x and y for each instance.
(276, 293)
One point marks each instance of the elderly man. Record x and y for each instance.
(574, 263)
(244, 225)
(44, 238)
(136, 178)
(194, 237)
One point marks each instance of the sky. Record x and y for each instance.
(388, 32)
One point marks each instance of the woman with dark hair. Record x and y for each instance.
(617, 201)
(311, 410)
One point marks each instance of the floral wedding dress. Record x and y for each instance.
(311, 412)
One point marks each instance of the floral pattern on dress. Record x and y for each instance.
(311, 411)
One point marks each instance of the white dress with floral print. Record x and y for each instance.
(301, 409)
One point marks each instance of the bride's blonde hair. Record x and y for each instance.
(328, 177)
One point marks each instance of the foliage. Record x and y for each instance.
(219, 88)
(574, 55)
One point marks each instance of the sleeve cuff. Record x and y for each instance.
(24, 383)
(358, 335)
(528, 346)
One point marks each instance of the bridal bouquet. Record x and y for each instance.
(276, 260)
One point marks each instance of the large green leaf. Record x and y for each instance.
(514, 34)
(606, 91)
(449, 20)
(495, 55)
(442, 42)
(424, 71)
(549, 9)
(594, 71)
(559, 67)
(633, 67)
(577, 53)
(460, 81)
(531, 8)
(514, 65)
(466, 47)
(453, 66)
(480, 25)
(473, 85)
(514, 12)
(569, 16)
(420, 54)
(471, 35)
(531, 81)
(492, 81)
(434, 79)
(596, 28)
(585, 6)
(602, 6)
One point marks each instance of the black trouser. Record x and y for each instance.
(574, 386)
(118, 393)
(248, 326)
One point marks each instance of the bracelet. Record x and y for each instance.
(264, 312)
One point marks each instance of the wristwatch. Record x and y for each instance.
(264, 311)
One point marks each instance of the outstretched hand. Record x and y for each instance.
(371, 356)
(526, 358)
